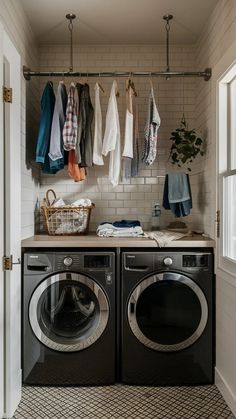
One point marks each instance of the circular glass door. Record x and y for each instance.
(167, 312)
(68, 312)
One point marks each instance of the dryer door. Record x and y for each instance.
(167, 312)
(68, 312)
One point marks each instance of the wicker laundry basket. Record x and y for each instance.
(66, 220)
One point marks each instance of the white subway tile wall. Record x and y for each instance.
(17, 26)
(134, 198)
(217, 36)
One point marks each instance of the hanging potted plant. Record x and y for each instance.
(186, 146)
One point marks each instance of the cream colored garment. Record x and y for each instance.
(97, 141)
(164, 237)
(111, 140)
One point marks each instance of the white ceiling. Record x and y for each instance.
(117, 21)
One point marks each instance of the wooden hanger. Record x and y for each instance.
(101, 88)
(129, 84)
(117, 91)
(80, 80)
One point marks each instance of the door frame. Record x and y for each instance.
(222, 273)
(226, 63)
(1, 236)
(10, 226)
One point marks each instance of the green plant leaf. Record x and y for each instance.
(186, 145)
(198, 141)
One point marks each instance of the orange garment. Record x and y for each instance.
(75, 172)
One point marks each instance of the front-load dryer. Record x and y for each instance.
(167, 318)
(69, 318)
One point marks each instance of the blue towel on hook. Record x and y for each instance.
(177, 194)
(178, 188)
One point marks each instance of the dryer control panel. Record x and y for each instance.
(195, 261)
(97, 261)
(184, 261)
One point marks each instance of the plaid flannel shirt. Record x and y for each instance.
(71, 122)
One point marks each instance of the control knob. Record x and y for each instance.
(168, 261)
(68, 261)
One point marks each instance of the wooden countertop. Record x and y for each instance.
(92, 240)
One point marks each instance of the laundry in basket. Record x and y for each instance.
(62, 219)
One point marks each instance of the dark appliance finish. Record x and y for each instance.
(167, 318)
(69, 318)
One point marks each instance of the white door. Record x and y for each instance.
(1, 238)
(10, 227)
(225, 77)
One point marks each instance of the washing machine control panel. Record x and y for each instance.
(195, 261)
(184, 260)
(168, 261)
(101, 261)
(68, 261)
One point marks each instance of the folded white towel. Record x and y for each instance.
(108, 230)
(164, 237)
(108, 226)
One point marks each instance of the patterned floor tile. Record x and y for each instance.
(122, 402)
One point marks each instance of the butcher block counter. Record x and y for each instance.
(92, 240)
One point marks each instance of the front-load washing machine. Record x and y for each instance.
(167, 317)
(69, 318)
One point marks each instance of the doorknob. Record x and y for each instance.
(17, 263)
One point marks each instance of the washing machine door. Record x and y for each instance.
(68, 312)
(167, 312)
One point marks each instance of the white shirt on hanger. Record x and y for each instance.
(58, 123)
(129, 121)
(111, 140)
(97, 142)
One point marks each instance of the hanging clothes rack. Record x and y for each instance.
(206, 74)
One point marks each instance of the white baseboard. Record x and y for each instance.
(226, 391)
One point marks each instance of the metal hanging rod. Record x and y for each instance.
(71, 17)
(206, 74)
(167, 18)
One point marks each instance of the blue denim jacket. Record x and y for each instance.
(47, 108)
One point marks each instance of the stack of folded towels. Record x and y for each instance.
(123, 228)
